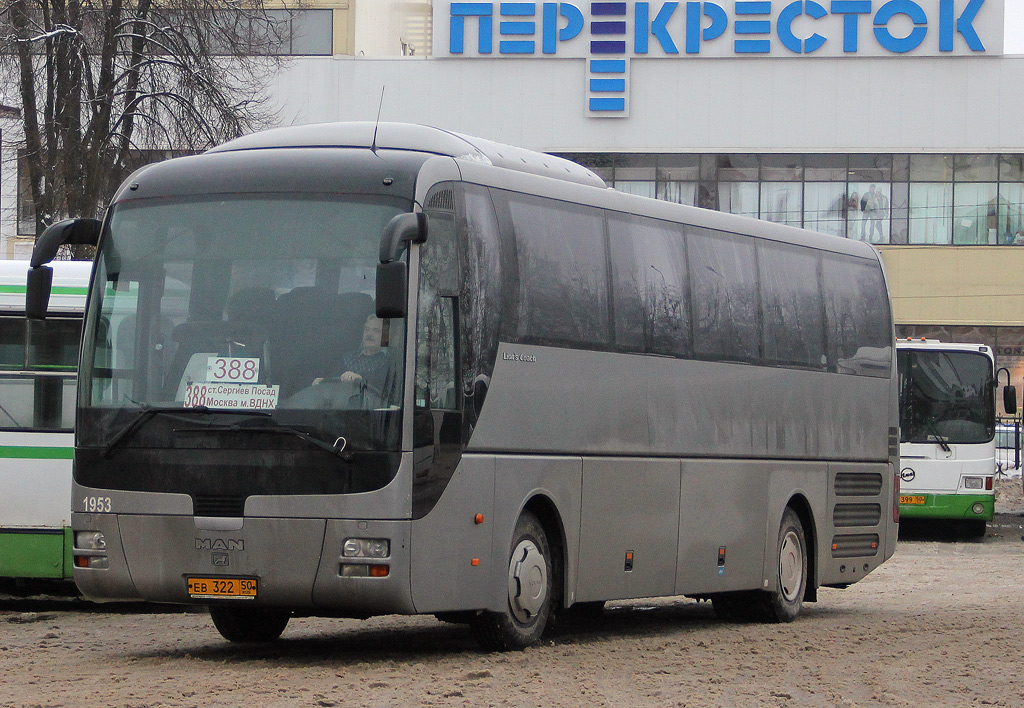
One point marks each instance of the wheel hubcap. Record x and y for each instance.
(791, 566)
(527, 581)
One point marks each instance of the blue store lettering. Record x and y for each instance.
(801, 27)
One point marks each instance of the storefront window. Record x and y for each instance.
(738, 198)
(975, 214)
(825, 207)
(678, 192)
(1011, 213)
(975, 168)
(878, 198)
(1011, 168)
(738, 168)
(635, 174)
(641, 189)
(678, 177)
(781, 168)
(931, 168)
(931, 213)
(825, 168)
(870, 168)
(868, 214)
(782, 202)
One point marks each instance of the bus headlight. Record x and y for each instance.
(90, 541)
(90, 550)
(366, 548)
(974, 483)
(977, 507)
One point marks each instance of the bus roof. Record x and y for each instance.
(70, 286)
(936, 345)
(416, 138)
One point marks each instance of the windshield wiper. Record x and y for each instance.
(147, 413)
(938, 438)
(337, 448)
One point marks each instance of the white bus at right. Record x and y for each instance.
(947, 432)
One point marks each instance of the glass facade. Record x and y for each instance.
(878, 198)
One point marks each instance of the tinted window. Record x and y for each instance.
(37, 402)
(723, 279)
(650, 294)
(53, 344)
(563, 281)
(42, 401)
(12, 342)
(435, 329)
(482, 286)
(857, 316)
(793, 311)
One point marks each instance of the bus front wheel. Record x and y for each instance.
(249, 624)
(529, 592)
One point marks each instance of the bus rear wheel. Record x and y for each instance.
(529, 592)
(784, 603)
(249, 624)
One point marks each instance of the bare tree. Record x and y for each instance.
(105, 83)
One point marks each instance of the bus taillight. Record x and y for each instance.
(896, 498)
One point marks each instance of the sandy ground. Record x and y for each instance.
(940, 625)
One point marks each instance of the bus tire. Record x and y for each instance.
(782, 604)
(974, 528)
(530, 591)
(249, 624)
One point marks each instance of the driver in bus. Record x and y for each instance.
(371, 364)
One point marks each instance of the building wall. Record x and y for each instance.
(956, 286)
(880, 104)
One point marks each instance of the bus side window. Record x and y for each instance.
(435, 326)
(435, 379)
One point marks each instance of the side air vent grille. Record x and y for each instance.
(856, 515)
(853, 484)
(212, 505)
(855, 546)
(442, 200)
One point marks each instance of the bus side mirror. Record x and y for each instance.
(37, 292)
(403, 228)
(1010, 400)
(392, 281)
(74, 232)
(392, 289)
(40, 277)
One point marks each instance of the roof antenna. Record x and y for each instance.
(373, 145)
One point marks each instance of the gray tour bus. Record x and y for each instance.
(359, 369)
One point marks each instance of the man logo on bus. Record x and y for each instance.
(219, 544)
(907, 474)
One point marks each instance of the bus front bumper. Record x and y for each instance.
(948, 506)
(303, 565)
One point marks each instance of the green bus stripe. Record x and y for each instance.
(59, 290)
(28, 452)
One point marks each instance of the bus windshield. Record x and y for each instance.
(945, 396)
(246, 312)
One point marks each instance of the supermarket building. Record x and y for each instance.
(898, 122)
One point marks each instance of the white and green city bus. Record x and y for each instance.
(572, 395)
(947, 432)
(38, 362)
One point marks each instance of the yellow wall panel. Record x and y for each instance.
(956, 285)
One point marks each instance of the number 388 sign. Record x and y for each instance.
(232, 369)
